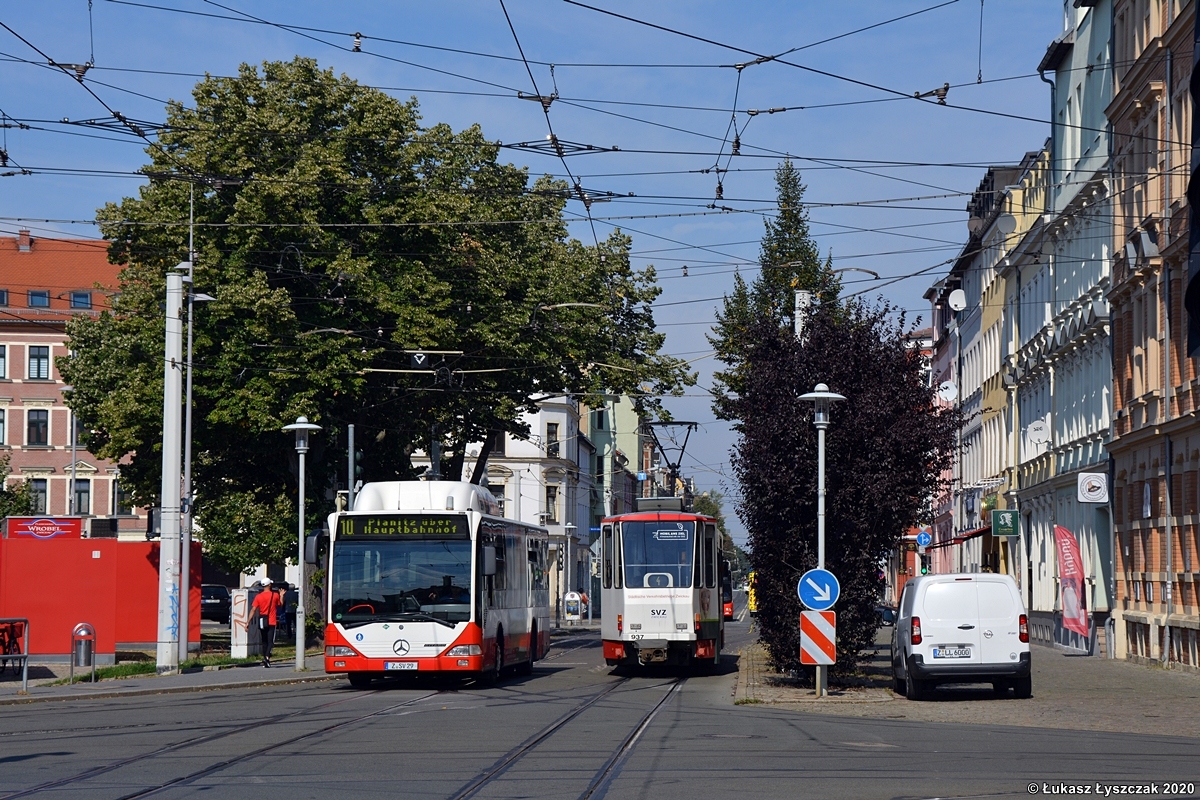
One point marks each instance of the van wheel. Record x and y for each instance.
(1023, 688)
(898, 686)
(913, 688)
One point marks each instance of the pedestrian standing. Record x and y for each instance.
(266, 605)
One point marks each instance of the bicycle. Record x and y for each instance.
(10, 644)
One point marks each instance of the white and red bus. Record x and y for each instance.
(661, 586)
(427, 577)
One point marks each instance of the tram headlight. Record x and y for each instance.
(465, 650)
(339, 651)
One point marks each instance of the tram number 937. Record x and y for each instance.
(658, 612)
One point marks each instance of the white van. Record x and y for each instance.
(961, 628)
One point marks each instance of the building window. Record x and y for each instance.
(83, 496)
(551, 504)
(3, 427)
(3, 297)
(81, 299)
(498, 493)
(3, 361)
(497, 443)
(39, 362)
(122, 506)
(39, 298)
(552, 446)
(37, 493)
(37, 433)
(599, 419)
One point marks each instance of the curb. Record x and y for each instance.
(105, 695)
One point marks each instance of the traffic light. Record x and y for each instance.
(358, 468)
(924, 564)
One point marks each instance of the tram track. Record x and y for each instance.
(600, 781)
(233, 731)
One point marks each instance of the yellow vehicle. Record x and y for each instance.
(752, 594)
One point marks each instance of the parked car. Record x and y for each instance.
(887, 615)
(215, 603)
(961, 628)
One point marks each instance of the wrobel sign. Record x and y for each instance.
(45, 527)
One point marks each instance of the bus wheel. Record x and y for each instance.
(493, 676)
(359, 680)
(526, 667)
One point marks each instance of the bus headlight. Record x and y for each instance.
(465, 650)
(339, 651)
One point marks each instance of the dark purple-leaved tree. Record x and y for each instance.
(885, 450)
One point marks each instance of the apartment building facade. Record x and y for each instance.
(43, 283)
(1156, 439)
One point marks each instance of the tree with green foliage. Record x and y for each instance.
(338, 234)
(886, 448)
(789, 259)
(16, 500)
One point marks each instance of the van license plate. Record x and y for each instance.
(951, 652)
(402, 665)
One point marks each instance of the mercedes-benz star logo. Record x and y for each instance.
(400, 648)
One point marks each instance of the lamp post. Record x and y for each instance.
(302, 427)
(185, 538)
(167, 655)
(821, 397)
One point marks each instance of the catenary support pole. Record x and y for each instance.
(350, 465)
(168, 561)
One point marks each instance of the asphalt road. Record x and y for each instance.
(571, 730)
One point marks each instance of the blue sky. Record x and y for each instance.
(666, 100)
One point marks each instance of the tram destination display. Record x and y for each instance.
(397, 526)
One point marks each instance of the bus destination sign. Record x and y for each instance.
(387, 526)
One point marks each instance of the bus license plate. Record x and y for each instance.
(390, 665)
(951, 652)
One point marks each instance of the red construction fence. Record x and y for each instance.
(61, 580)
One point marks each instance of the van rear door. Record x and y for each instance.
(999, 623)
(949, 614)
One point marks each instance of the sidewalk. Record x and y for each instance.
(206, 680)
(1069, 692)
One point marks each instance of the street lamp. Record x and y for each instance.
(302, 427)
(821, 397)
(185, 538)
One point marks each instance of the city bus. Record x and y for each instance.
(426, 577)
(660, 586)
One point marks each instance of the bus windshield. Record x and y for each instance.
(658, 554)
(401, 579)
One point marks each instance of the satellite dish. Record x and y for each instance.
(974, 224)
(1038, 431)
(957, 300)
(1006, 223)
(947, 392)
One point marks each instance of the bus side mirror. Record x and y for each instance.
(489, 560)
(312, 546)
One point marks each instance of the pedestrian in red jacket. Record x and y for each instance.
(266, 605)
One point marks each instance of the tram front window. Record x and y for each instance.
(407, 579)
(658, 554)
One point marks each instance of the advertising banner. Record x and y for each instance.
(44, 528)
(1004, 522)
(1070, 578)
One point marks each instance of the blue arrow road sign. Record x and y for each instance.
(818, 589)
(923, 539)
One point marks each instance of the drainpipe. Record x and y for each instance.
(1167, 387)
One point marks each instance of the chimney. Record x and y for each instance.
(24, 244)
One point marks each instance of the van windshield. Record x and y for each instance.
(658, 554)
